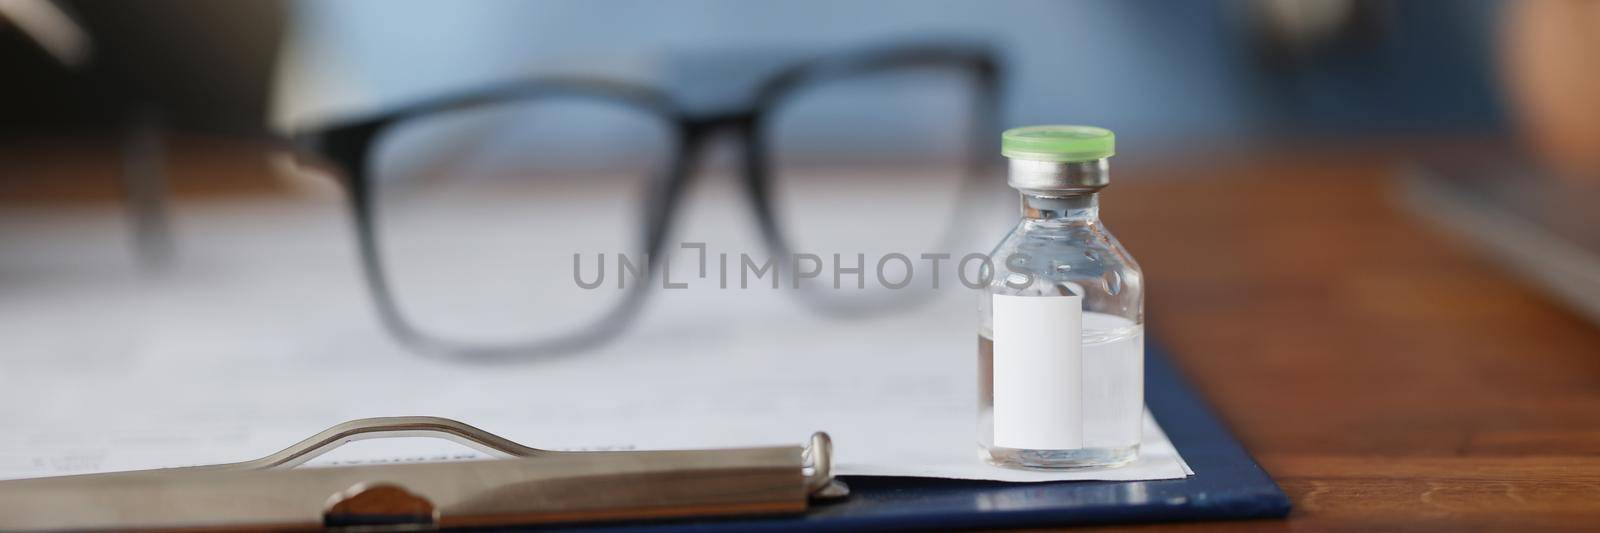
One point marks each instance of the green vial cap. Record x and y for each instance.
(1058, 143)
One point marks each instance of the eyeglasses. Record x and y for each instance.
(470, 209)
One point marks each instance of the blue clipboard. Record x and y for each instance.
(1227, 485)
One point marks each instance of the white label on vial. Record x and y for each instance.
(1038, 372)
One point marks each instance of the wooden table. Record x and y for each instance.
(1387, 376)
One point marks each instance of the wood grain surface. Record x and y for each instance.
(1387, 376)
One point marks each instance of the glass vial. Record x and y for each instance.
(1061, 340)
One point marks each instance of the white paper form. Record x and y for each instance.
(263, 334)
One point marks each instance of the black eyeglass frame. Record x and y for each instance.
(349, 147)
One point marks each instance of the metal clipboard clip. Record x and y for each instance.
(525, 486)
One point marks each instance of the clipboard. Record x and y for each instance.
(758, 489)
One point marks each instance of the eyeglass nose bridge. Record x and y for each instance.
(704, 125)
(696, 133)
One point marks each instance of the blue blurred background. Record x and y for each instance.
(1159, 73)
(1163, 74)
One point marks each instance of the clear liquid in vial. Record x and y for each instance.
(1113, 399)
